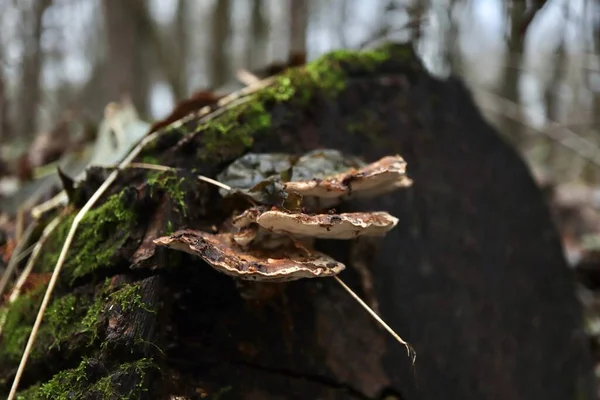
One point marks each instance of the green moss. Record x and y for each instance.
(29, 393)
(231, 133)
(148, 159)
(18, 323)
(58, 318)
(329, 73)
(76, 383)
(172, 183)
(130, 297)
(100, 234)
(69, 317)
(73, 315)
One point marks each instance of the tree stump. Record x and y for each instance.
(473, 275)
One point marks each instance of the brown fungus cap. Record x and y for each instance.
(329, 226)
(322, 226)
(382, 176)
(285, 263)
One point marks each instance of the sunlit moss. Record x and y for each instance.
(100, 234)
(232, 132)
(172, 184)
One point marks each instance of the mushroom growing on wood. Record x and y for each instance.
(272, 239)
(322, 177)
(382, 176)
(280, 264)
(321, 226)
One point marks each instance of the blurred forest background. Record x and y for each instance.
(532, 65)
(533, 68)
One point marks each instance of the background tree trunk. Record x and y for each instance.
(30, 95)
(220, 44)
(128, 66)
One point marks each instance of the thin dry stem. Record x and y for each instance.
(165, 168)
(16, 257)
(411, 352)
(34, 256)
(246, 77)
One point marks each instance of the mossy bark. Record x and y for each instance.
(473, 275)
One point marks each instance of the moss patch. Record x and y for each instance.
(17, 326)
(233, 132)
(77, 383)
(73, 323)
(70, 320)
(171, 183)
(129, 297)
(100, 234)
(148, 159)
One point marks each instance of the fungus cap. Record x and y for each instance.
(284, 263)
(384, 175)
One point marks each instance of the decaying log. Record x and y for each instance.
(472, 275)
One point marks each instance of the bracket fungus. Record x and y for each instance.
(382, 176)
(322, 178)
(271, 239)
(270, 242)
(286, 262)
(319, 226)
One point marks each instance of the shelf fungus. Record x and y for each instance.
(385, 175)
(270, 238)
(319, 226)
(324, 178)
(286, 262)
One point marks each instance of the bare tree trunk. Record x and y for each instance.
(451, 52)
(298, 26)
(256, 46)
(4, 111)
(219, 66)
(30, 88)
(343, 8)
(127, 70)
(179, 84)
(595, 119)
(416, 11)
(520, 19)
(552, 104)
